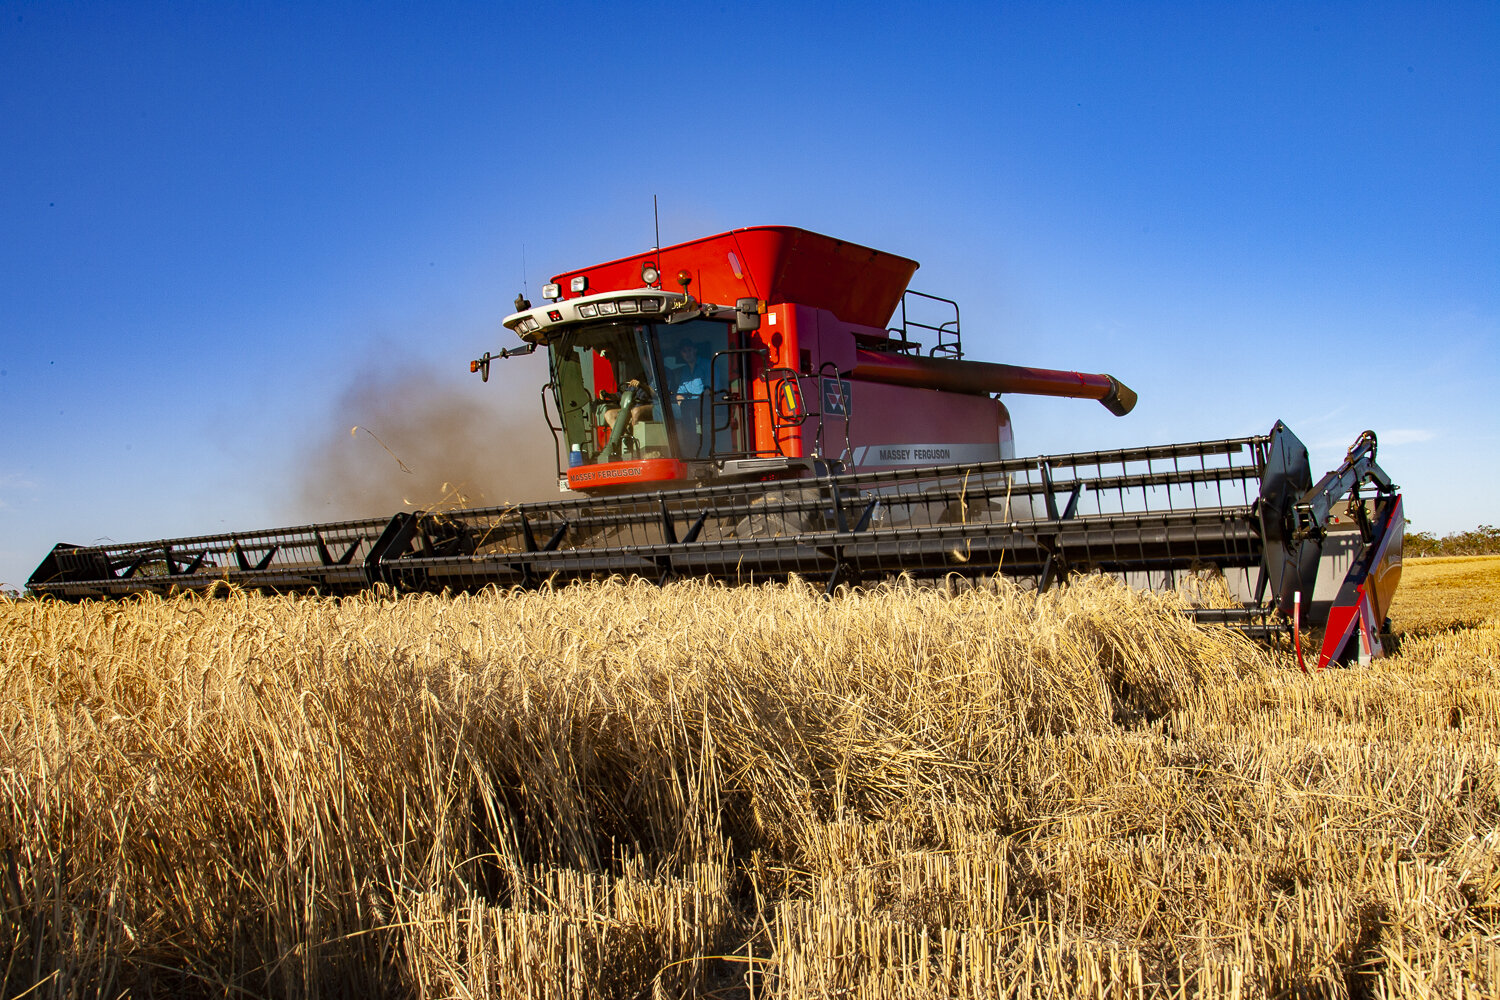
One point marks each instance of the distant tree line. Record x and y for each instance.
(1481, 541)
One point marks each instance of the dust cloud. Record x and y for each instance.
(427, 440)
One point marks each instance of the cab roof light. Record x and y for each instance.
(649, 274)
(552, 291)
(588, 311)
(579, 284)
(608, 308)
(629, 306)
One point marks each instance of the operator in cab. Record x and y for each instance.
(690, 385)
(630, 377)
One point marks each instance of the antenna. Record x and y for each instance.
(656, 218)
(525, 286)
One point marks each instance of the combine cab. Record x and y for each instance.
(768, 359)
(762, 419)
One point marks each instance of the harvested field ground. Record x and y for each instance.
(1443, 593)
(620, 791)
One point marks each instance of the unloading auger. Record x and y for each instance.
(762, 420)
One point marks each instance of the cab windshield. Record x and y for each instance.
(631, 391)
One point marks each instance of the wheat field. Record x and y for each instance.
(614, 790)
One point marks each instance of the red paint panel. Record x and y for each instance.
(781, 337)
(772, 263)
(897, 415)
(1372, 595)
(1342, 622)
(621, 476)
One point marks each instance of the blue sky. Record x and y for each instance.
(234, 231)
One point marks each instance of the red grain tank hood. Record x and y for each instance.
(773, 263)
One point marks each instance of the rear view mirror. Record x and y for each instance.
(747, 315)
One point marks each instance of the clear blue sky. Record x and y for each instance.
(233, 231)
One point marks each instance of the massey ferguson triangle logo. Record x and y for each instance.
(835, 397)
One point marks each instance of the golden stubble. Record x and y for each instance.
(619, 790)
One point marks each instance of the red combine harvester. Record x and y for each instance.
(772, 401)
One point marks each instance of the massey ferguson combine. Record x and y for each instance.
(771, 401)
